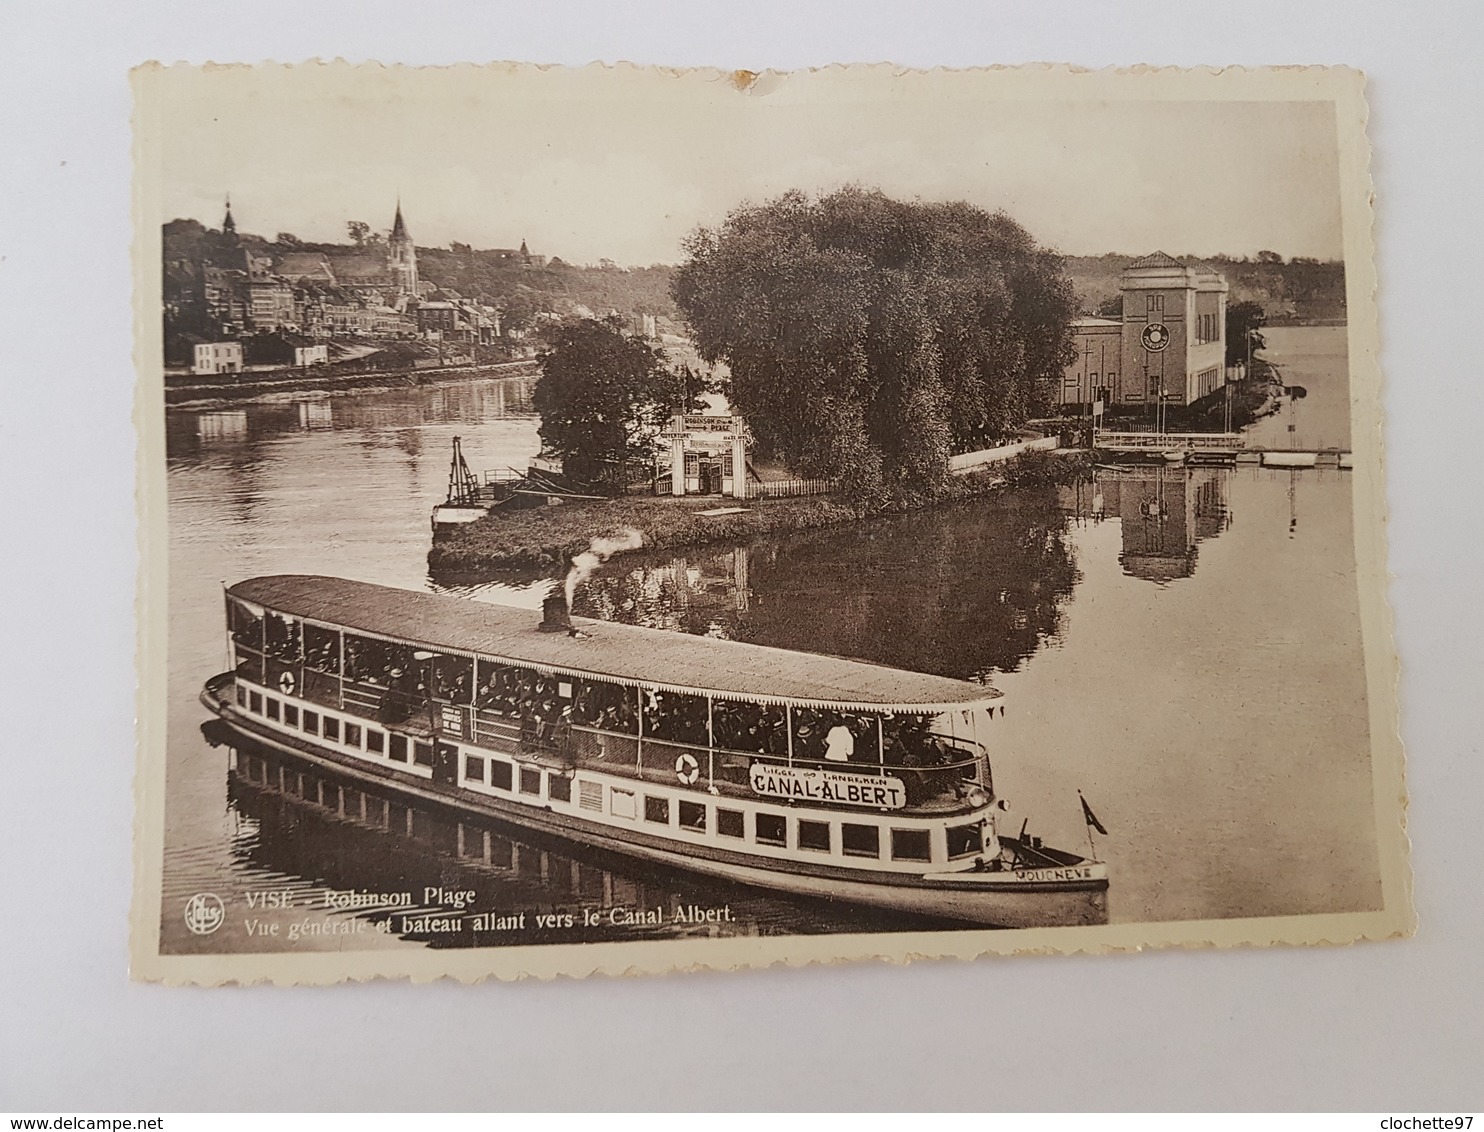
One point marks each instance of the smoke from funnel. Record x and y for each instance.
(598, 551)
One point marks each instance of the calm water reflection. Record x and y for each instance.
(1183, 645)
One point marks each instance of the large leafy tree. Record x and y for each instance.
(870, 338)
(1243, 320)
(602, 396)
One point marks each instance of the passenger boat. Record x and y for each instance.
(813, 775)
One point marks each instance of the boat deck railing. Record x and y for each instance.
(717, 770)
(936, 780)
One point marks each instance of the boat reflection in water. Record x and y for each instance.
(301, 827)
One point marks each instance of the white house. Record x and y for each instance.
(218, 357)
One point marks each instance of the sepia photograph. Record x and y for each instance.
(624, 519)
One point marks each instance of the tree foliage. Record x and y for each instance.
(1243, 319)
(870, 338)
(602, 396)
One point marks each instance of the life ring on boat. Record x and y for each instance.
(286, 683)
(687, 769)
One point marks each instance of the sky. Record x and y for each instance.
(618, 164)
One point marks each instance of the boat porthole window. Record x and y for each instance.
(398, 752)
(272, 705)
(731, 823)
(911, 845)
(422, 753)
(772, 829)
(530, 780)
(657, 810)
(331, 728)
(590, 795)
(814, 835)
(255, 703)
(558, 787)
(353, 735)
(291, 715)
(311, 723)
(693, 816)
(375, 740)
(474, 768)
(241, 696)
(860, 840)
(501, 774)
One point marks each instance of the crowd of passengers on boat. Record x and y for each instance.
(404, 682)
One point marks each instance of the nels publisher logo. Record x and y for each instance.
(204, 913)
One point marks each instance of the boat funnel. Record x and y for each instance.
(555, 615)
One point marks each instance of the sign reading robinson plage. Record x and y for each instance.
(470, 683)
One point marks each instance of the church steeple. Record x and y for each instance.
(229, 226)
(401, 255)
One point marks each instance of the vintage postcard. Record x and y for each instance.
(625, 520)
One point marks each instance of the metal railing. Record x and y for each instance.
(502, 475)
(928, 786)
(727, 772)
(1162, 441)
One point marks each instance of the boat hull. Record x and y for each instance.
(1074, 894)
(1290, 459)
(454, 514)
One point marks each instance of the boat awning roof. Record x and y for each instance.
(627, 653)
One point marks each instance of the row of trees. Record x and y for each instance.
(868, 339)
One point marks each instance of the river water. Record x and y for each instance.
(1306, 357)
(1180, 645)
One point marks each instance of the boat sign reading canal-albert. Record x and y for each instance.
(886, 793)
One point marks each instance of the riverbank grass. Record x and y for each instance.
(543, 539)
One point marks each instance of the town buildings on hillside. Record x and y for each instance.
(281, 305)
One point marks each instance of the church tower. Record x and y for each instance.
(229, 226)
(401, 256)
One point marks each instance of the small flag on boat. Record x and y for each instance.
(1089, 817)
